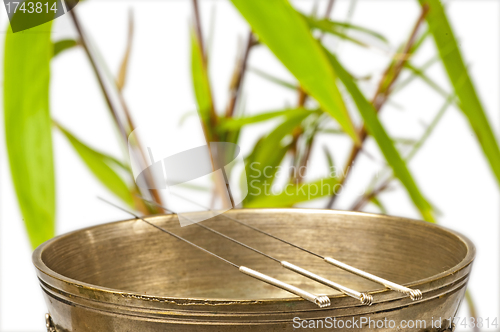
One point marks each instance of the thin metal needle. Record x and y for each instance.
(244, 224)
(238, 242)
(415, 294)
(320, 300)
(168, 232)
(362, 297)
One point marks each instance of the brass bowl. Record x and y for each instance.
(128, 276)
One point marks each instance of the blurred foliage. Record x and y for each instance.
(324, 89)
(282, 28)
(28, 128)
(201, 85)
(458, 75)
(385, 143)
(104, 167)
(63, 45)
(329, 98)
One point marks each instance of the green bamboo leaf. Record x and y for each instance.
(27, 128)
(101, 165)
(296, 193)
(453, 62)
(282, 28)
(63, 45)
(379, 204)
(273, 79)
(418, 43)
(329, 158)
(238, 123)
(277, 135)
(338, 28)
(399, 86)
(430, 128)
(420, 73)
(268, 154)
(416, 145)
(201, 84)
(404, 141)
(234, 135)
(385, 143)
(332, 131)
(185, 116)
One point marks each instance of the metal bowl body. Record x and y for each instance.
(128, 276)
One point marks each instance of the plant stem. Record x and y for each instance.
(418, 144)
(302, 97)
(298, 132)
(100, 76)
(112, 105)
(305, 158)
(239, 73)
(197, 19)
(329, 8)
(122, 72)
(368, 197)
(138, 146)
(383, 91)
(209, 134)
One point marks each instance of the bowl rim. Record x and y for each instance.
(43, 268)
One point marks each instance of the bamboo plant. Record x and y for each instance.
(322, 84)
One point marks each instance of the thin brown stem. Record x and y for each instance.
(209, 134)
(100, 76)
(122, 72)
(239, 73)
(392, 73)
(302, 97)
(197, 19)
(329, 8)
(383, 91)
(368, 197)
(303, 163)
(112, 106)
(297, 176)
(140, 148)
(297, 132)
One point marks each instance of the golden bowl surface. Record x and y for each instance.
(128, 276)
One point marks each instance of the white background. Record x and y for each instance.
(450, 169)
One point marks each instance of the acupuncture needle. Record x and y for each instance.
(364, 298)
(321, 301)
(414, 294)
